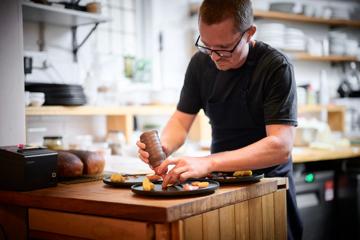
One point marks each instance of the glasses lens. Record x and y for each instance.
(204, 50)
(223, 53)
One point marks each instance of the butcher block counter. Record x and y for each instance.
(94, 210)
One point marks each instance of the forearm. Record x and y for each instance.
(267, 152)
(173, 135)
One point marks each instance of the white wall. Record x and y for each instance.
(12, 112)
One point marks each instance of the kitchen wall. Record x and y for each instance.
(155, 19)
(12, 119)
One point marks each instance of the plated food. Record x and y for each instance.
(147, 185)
(242, 173)
(127, 180)
(179, 189)
(235, 177)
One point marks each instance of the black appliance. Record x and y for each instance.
(348, 199)
(315, 197)
(25, 168)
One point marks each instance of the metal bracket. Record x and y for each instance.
(75, 45)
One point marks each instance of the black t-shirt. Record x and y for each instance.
(271, 85)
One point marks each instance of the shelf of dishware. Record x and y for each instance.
(305, 19)
(262, 14)
(36, 12)
(121, 118)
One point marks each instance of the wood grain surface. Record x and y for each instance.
(95, 198)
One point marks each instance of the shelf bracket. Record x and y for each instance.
(75, 45)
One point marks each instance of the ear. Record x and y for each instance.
(250, 32)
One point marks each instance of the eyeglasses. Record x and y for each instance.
(220, 52)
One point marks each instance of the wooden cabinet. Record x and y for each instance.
(94, 211)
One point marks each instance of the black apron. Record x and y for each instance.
(233, 128)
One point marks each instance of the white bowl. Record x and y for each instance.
(37, 99)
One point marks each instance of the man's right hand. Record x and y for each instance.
(144, 156)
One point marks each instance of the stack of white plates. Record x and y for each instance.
(295, 40)
(337, 42)
(278, 36)
(272, 33)
(340, 13)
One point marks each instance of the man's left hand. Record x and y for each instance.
(185, 167)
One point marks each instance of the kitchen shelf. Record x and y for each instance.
(122, 118)
(41, 13)
(330, 58)
(117, 118)
(319, 108)
(95, 110)
(301, 18)
(292, 17)
(335, 114)
(35, 12)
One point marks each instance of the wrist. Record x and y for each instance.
(213, 166)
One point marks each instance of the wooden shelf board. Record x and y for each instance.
(302, 18)
(139, 110)
(35, 12)
(331, 58)
(94, 110)
(305, 154)
(318, 108)
(194, 8)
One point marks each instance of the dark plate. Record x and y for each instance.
(228, 178)
(131, 180)
(175, 190)
(65, 101)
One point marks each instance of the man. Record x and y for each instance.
(248, 91)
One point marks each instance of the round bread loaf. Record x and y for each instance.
(94, 162)
(69, 165)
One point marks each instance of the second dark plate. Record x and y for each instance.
(176, 190)
(224, 179)
(131, 180)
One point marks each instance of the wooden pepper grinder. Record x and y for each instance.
(153, 147)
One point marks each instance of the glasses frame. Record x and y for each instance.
(204, 49)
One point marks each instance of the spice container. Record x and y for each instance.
(153, 147)
(116, 141)
(53, 142)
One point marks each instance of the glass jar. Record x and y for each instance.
(116, 141)
(53, 142)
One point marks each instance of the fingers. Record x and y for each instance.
(142, 154)
(161, 173)
(173, 175)
(185, 176)
(162, 168)
(169, 179)
(140, 145)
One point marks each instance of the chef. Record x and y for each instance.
(248, 91)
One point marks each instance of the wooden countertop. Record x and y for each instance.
(96, 198)
(305, 154)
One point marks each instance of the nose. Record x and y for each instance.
(214, 56)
